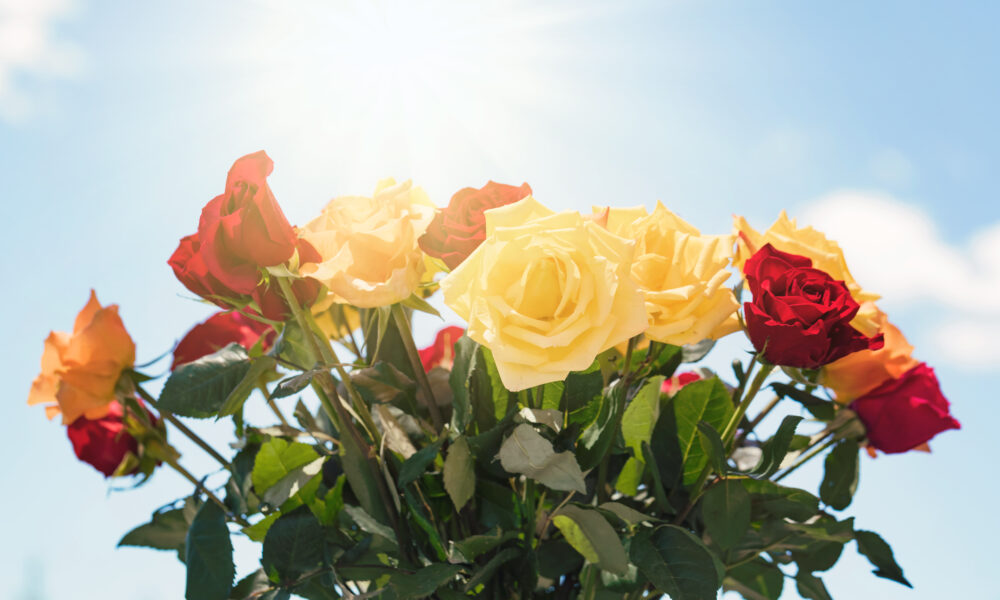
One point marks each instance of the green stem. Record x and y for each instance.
(741, 410)
(198, 485)
(170, 418)
(403, 324)
(756, 421)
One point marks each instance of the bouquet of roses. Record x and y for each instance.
(554, 447)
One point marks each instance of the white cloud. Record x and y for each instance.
(29, 49)
(895, 249)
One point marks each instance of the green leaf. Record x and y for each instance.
(769, 498)
(725, 507)
(369, 524)
(293, 385)
(552, 394)
(811, 587)
(361, 478)
(424, 582)
(840, 475)
(756, 580)
(209, 555)
(466, 351)
(300, 483)
(583, 386)
(459, 473)
(879, 554)
(821, 409)
(417, 303)
(691, 353)
(627, 514)
(198, 389)
(677, 563)
(528, 453)
(276, 459)
(236, 398)
(258, 531)
(593, 537)
(472, 547)
(774, 450)
(251, 586)
(630, 477)
(415, 466)
(706, 400)
(712, 446)
(596, 439)
(641, 415)
(166, 531)
(294, 545)
(487, 571)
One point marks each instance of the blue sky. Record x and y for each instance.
(118, 122)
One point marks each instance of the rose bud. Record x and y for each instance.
(218, 331)
(800, 316)
(674, 384)
(459, 229)
(442, 352)
(244, 228)
(80, 370)
(904, 413)
(104, 443)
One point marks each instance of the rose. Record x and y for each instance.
(904, 413)
(368, 246)
(189, 267)
(785, 235)
(682, 274)
(858, 373)
(272, 302)
(545, 292)
(442, 351)
(105, 442)
(459, 229)
(218, 331)
(800, 316)
(674, 384)
(80, 370)
(244, 228)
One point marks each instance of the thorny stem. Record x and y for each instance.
(418, 368)
(182, 427)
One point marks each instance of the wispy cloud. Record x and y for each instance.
(32, 52)
(896, 249)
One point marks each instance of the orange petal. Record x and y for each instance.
(87, 314)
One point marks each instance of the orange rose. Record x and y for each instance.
(80, 370)
(859, 373)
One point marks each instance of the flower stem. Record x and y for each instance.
(170, 418)
(198, 486)
(403, 324)
(741, 409)
(807, 457)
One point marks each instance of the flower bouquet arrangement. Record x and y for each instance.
(558, 444)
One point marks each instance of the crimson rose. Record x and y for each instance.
(218, 331)
(272, 302)
(442, 351)
(904, 413)
(459, 229)
(189, 267)
(103, 443)
(244, 228)
(800, 316)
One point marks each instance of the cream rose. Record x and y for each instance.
(368, 246)
(682, 274)
(545, 292)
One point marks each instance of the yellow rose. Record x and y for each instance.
(682, 274)
(787, 236)
(859, 373)
(369, 246)
(80, 370)
(545, 292)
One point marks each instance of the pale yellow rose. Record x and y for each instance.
(369, 245)
(826, 255)
(545, 292)
(682, 274)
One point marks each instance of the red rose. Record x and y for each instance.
(442, 351)
(244, 228)
(800, 316)
(189, 267)
(674, 384)
(103, 443)
(459, 229)
(218, 331)
(904, 413)
(272, 302)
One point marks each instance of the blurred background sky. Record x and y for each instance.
(875, 122)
